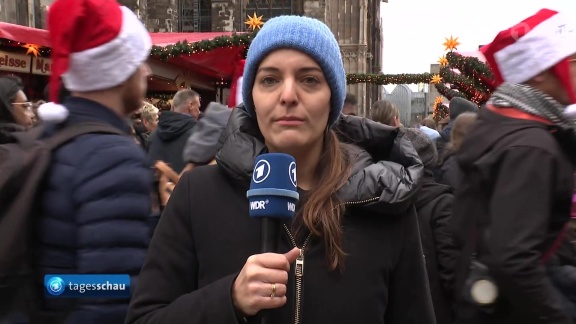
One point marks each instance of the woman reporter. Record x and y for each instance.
(355, 227)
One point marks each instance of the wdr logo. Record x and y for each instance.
(258, 205)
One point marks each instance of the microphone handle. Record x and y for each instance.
(269, 234)
(269, 238)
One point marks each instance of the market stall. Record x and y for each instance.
(25, 52)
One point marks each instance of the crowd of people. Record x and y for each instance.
(468, 221)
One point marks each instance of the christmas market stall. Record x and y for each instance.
(200, 65)
(24, 52)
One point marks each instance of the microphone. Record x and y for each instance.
(272, 195)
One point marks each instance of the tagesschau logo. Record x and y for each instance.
(87, 286)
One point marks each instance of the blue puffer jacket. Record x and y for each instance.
(96, 208)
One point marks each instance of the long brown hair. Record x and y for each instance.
(322, 211)
(461, 126)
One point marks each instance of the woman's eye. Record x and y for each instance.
(268, 81)
(310, 80)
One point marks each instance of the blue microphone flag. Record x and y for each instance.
(273, 188)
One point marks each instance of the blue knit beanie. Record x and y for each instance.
(306, 35)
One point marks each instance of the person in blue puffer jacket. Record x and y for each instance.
(96, 202)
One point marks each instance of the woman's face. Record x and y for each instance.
(292, 101)
(22, 110)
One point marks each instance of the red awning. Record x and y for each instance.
(165, 39)
(218, 63)
(24, 34)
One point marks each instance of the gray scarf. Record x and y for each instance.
(534, 102)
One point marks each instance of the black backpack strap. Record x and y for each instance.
(74, 130)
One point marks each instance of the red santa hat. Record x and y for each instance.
(543, 41)
(96, 45)
(235, 97)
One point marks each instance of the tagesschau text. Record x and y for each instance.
(87, 286)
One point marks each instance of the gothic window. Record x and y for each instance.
(269, 8)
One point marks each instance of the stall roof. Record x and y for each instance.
(218, 63)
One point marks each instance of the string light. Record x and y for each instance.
(384, 79)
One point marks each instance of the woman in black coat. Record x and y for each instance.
(354, 237)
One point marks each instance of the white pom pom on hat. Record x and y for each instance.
(53, 112)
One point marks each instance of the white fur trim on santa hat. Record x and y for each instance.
(538, 50)
(52, 112)
(110, 64)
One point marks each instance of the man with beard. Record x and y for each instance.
(513, 203)
(96, 202)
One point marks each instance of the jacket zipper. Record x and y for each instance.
(299, 269)
(361, 202)
(299, 273)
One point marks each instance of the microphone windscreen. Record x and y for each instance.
(273, 188)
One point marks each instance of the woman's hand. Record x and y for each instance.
(262, 282)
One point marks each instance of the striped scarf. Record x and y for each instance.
(534, 102)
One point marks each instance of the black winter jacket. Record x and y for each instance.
(167, 142)
(434, 209)
(201, 244)
(517, 184)
(449, 172)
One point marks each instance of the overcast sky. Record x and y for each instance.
(414, 30)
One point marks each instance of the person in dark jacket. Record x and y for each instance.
(448, 171)
(434, 209)
(457, 107)
(96, 202)
(167, 142)
(354, 235)
(513, 203)
(15, 109)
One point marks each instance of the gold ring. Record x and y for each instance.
(273, 291)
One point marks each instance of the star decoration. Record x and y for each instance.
(438, 100)
(451, 43)
(436, 78)
(443, 61)
(254, 22)
(32, 49)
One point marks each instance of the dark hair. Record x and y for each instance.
(350, 99)
(9, 87)
(13, 84)
(322, 210)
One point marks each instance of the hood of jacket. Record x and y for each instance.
(172, 124)
(202, 145)
(385, 174)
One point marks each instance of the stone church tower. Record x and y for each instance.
(356, 25)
